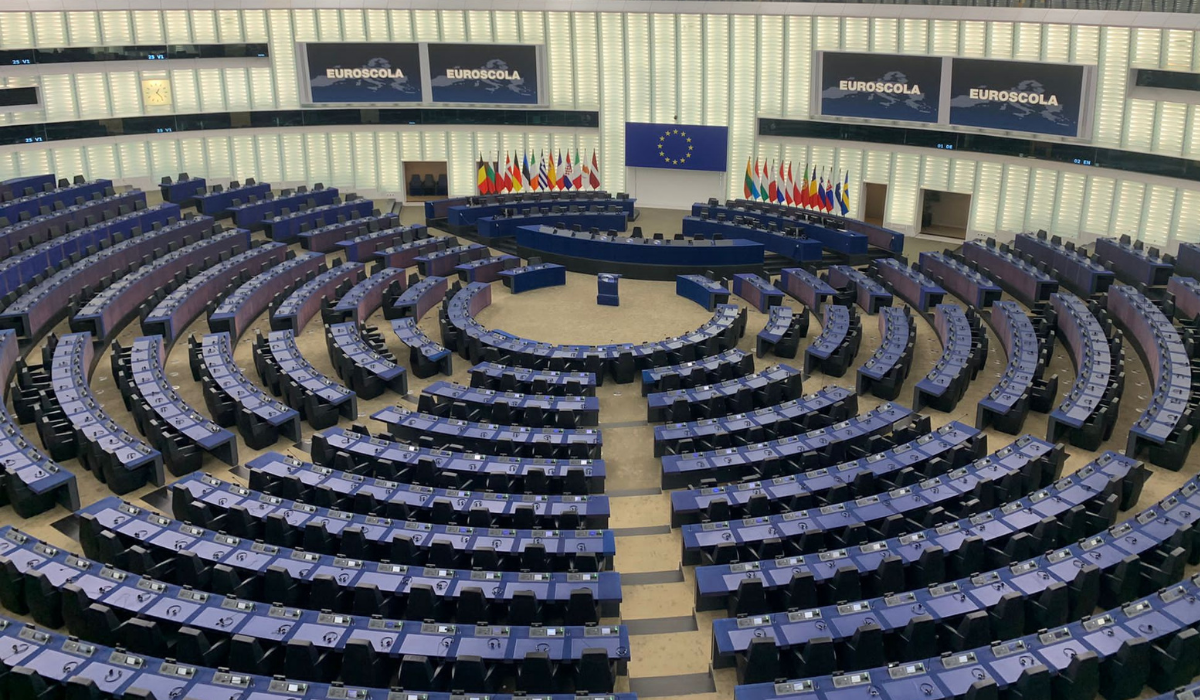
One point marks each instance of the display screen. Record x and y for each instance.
(875, 86)
(364, 72)
(1041, 98)
(484, 73)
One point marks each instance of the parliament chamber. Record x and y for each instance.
(697, 350)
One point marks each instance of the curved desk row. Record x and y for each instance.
(637, 258)
(232, 399)
(623, 361)
(962, 279)
(792, 246)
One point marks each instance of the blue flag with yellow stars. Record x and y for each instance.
(676, 146)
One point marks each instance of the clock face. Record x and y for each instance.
(156, 92)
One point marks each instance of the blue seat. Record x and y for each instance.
(182, 306)
(731, 364)
(534, 410)
(904, 463)
(212, 503)
(293, 312)
(497, 377)
(1026, 282)
(1071, 265)
(866, 292)
(248, 637)
(782, 333)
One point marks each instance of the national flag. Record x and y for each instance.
(568, 173)
(749, 187)
(561, 173)
(506, 175)
(514, 174)
(585, 175)
(814, 200)
(543, 180)
(844, 202)
(803, 195)
(497, 177)
(764, 187)
(580, 169)
(788, 185)
(552, 178)
(482, 180)
(595, 177)
(781, 193)
(832, 203)
(525, 170)
(772, 186)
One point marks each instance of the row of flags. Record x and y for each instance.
(770, 183)
(539, 174)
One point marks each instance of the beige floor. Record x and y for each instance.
(649, 310)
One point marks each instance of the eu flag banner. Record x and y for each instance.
(676, 146)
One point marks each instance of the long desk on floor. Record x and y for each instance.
(1133, 263)
(1070, 264)
(1026, 283)
(183, 191)
(218, 204)
(838, 240)
(505, 226)
(1186, 292)
(912, 285)
(966, 283)
(1167, 428)
(636, 258)
(464, 213)
(790, 245)
(878, 236)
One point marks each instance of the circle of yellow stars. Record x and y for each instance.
(662, 142)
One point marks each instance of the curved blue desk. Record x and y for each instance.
(637, 258)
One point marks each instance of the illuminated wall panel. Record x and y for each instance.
(1068, 208)
(1098, 205)
(665, 59)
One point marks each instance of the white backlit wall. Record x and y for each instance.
(363, 159)
(714, 69)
